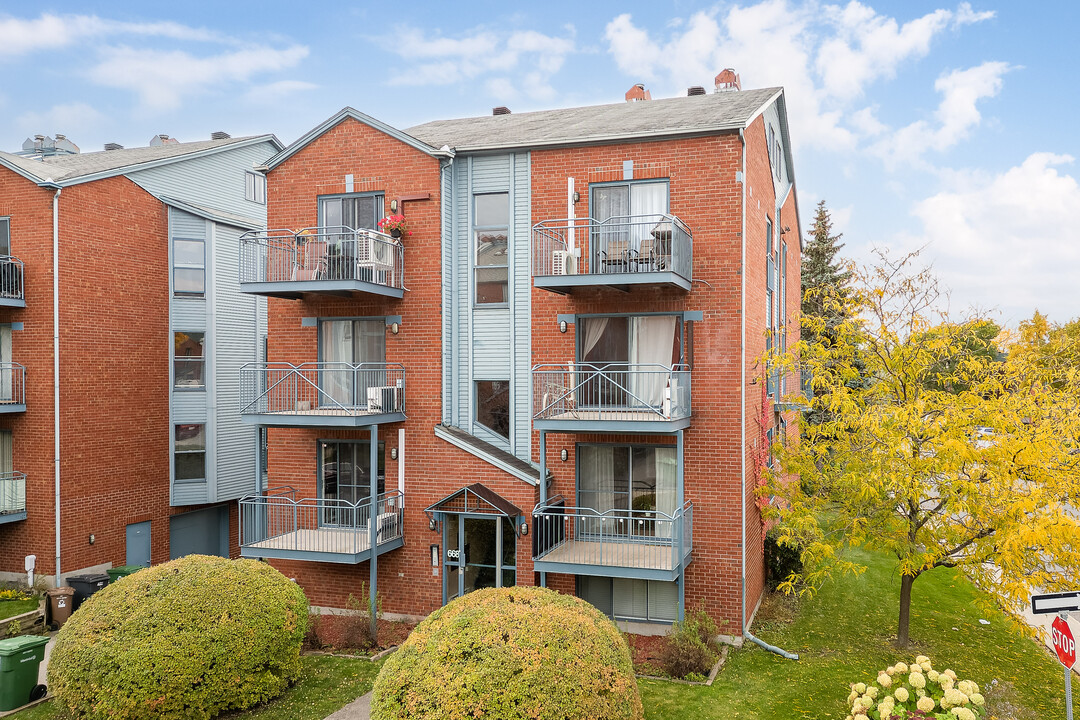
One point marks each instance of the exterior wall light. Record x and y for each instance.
(562, 326)
(394, 327)
(564, 454)
(393, 453)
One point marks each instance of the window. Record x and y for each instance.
(782, 270)
(5, 236)
(344, 474)
(491, 227)
(189, 266)
(343, 344)
(189, 453)
(628, 358)
(637, 480)
(493, 406)
(356, 212)
(770, 303)
(189, 362)
(629, 213)
(629, 599)
(255, 187)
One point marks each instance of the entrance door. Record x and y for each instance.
(138, 544)
(480, 553)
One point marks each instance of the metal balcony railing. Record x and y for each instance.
(332, 389)
(321, 254)
(11, 278)
(278, 523)
(12, 493)
(12, 385)
(629, 244)
(641, 539)
(613, 391)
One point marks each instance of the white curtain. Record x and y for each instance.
(594, 330)
(337, 347)
(6, 375)
(652, 342)
(666, 499)
(12, 494)
(648, 203)
(597, 486)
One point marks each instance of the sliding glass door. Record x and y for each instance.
(630, 484)
(342, 344)
(627, 214)
(345, 474)
(628, 358)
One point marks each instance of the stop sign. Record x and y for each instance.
(1064, 644)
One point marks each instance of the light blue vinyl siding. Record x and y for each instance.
(483, 343)
(449, 318)
(214, 181)
(235, 341)
(190, 494)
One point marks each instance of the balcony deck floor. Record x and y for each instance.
(640, 555)
(587, 415)
(325, 539)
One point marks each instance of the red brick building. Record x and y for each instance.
(580, 296)
(121, 328)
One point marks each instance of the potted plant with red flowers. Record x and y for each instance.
(394, 225)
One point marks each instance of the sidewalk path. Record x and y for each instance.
(358, 709)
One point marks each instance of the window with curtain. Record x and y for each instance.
(5, 236)
(491, 229)
(343, 344)
(630, 599)
(628, 213)
(632, 355)
(640, 480)
(7, 376)
(12, 494)
(358, 212)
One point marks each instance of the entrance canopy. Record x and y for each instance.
(476, 499)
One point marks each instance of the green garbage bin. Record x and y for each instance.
(19, 661)
(122, 571)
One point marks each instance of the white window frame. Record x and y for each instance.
(255, 187)
(177, 453)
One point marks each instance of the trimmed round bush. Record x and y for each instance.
(191, 638)
(518, 652)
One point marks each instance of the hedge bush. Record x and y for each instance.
(781, 560)
(518, 652)
(690, 649)
(191, 638)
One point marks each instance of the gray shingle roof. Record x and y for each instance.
(599, 123)
(64, 168)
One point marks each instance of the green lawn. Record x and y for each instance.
(11, 608)
(328, 683)
(844, 635)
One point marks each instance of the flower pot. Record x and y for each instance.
(395, 233)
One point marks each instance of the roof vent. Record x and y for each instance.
(501, 110)
(113, 146)
(695, 90)
(163, 140)
(220, 135)
(728, 80)
(45, 146)
(638, 93)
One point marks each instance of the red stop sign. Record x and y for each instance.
(1064, 644)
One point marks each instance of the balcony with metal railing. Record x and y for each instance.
(643, 544)
(329, 394)
(12, 497)
(620, 252)
(12, 388)
(11, 282)
(277, 525)
(337, 260)
(614, 397)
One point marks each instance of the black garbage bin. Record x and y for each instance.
(85, 586)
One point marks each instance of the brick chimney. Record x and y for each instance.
(638, 93)
(694, 90)
(727, 80)
(501, 110)
(220, 135)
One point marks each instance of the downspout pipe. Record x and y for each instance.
(747, 635)
(56, 369)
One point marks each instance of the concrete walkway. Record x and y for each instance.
(358, 709)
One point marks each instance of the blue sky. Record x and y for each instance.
(949, 127)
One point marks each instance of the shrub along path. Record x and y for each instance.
(845, 635)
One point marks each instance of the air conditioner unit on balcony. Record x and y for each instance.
(383, 399)
(563, 262)
(374, 251)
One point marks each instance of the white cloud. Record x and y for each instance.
(162, 79)
(956, 115)
(71, 119)
(1001, 241)
(511, 63)
(825, 56)
(20, 36)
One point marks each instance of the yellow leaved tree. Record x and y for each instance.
(931, 443)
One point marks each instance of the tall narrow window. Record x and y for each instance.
(189, 453)
(255, 187)
(344, 344)
(493, 406)
(345, 475)
(5, 237)
(491, 226)
(189, 362)
(189, 266)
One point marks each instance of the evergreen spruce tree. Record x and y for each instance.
(824, 279)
